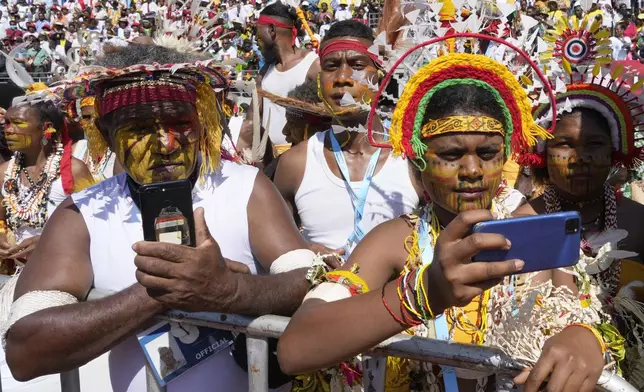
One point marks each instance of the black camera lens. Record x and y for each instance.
(572, 225)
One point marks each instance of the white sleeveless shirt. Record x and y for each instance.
(324, 204)
(114, 225)
(281, 83)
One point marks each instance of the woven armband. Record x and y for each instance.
(32, 302)
(295, 259)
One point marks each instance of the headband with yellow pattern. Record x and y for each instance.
(408, 129)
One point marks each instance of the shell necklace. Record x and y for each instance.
(27, 205)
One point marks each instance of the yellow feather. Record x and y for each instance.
(526, 80)
(617, 72)
(637, 85)
(604, 60)
(566, 65)
(595, 26)
(575, 24)
(605, 51)
(602, 34)
(596, 69)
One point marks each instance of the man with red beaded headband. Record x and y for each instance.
(338, 185)
(163, 122)
(286, 68)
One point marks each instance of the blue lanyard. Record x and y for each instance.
(358, 200)
(440, 324)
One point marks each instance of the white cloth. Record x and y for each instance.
(114, 224)
(281, 83)
(341, 15)
(80, 150)
(620, 47)
(324, 204)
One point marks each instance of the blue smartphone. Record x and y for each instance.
(543, 242)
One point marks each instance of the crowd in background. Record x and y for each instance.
(49, 37)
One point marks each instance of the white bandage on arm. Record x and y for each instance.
(295, 259)
(32, 302)
(328, 292)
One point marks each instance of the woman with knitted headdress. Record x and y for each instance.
(39, 176)
(459, 118)
(598, 135)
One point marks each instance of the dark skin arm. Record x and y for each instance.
(364, 321)
(83, 330)
(4, 244)
(194, 279)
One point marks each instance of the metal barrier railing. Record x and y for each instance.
(439, 352)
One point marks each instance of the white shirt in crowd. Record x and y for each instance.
(621, 47)
(149, 7)
(224, 54)
(343, 14)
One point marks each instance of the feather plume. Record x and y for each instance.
(17, 73)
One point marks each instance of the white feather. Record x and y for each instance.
(17, 73)
(609, 236)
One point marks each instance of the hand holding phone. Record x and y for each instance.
(194, 279)
(543, 242)
(452, 278)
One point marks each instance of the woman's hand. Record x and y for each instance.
(23, 249)
(334, 259)
(453, 279)
(573, 360)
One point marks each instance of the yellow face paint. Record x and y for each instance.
(17, 141)
(465, 174)
(157, 152)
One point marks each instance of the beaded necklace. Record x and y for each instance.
(609, 278)
(27, 206)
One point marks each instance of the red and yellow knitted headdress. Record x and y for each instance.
(578, 58)
(449, 68)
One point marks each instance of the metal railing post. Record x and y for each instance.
(151, 381)
(257, 352)
(70, 381)
(374, 373)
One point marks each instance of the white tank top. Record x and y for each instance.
(56, 196)
(281, 83)
(324, 204)
(114, 225)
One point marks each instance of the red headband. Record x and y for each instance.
(267, 20)
(345, 44)
(141, 92)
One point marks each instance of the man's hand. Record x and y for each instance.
(334, 260)
(23, 249)
(185, 278)
(453, 279)
(572, 359)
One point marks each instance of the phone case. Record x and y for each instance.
(542, 241)
(166, 211)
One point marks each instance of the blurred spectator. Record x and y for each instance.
(343, 13)
(227, 51)
(620, 44)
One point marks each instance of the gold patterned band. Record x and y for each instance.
(450, 124)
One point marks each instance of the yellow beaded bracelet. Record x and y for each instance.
(598, 336)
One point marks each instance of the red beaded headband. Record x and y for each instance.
(267, 21)
(346, 44)
(114, 98)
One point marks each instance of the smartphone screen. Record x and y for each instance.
(166, 210)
